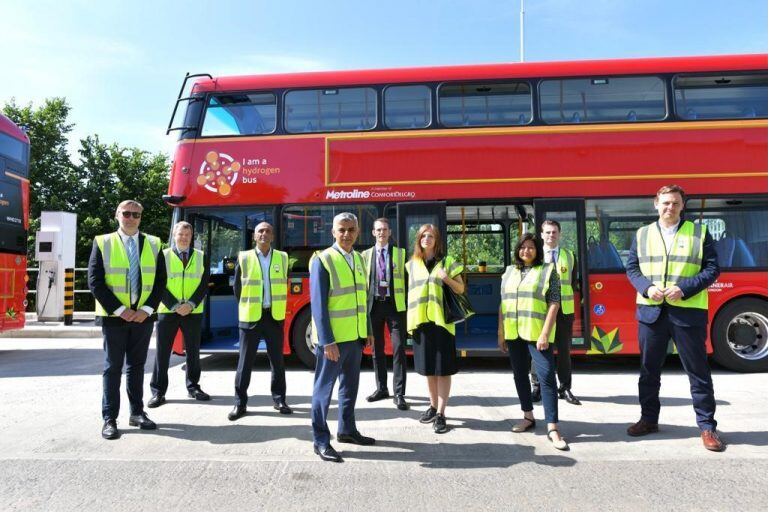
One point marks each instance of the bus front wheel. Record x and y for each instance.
(301, 337)
(740, 335)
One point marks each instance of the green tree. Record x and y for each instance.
(92, 187)
(52, 181)
(110, 174)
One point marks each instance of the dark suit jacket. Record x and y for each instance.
(98, 286)
(686, 317)
(198, 296)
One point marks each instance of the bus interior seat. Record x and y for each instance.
(733, 252)
(691, 114)
(631, 115)
(750, 112)
(576, 118)
(603, 255)
(521, 119)
(611, 255)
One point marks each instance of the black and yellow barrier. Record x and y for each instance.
(69, 295)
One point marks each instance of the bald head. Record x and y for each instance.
(263, 234)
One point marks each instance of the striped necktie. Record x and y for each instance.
(133, 269)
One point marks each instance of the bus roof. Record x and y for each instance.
(487, 71)
(8, 127)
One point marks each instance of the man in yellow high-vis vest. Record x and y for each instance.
(182, 308)
(341, 326)
(261, 288)
(671, 264)
(565, 264)
(385, 270)
(126, 274)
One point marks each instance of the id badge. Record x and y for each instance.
(383, 283)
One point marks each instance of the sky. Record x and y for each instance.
(120, 64)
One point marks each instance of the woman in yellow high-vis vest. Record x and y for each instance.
(434, 340)
(530, 298)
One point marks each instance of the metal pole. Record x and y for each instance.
(522, 30)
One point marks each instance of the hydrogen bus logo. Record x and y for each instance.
(218, 173)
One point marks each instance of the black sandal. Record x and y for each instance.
(521, 427)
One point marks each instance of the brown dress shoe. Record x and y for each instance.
(712, 441)
(642, 428)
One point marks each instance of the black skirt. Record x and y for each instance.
(434, 351)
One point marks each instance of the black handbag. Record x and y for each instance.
(456, 307)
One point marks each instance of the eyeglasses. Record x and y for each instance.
(135, 215)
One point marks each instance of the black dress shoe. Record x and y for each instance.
(236, 413)
(355, 438)
(400, 402)
(142, 421)
(156, 401)
(283, 407)
(109, 430)
(379, 394)
(536, 394)
(568, 397)
(328, 454)
(199, 394)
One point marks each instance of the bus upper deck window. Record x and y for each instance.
(331, 110)
(602, 100)
(487, 104)
(721, 96)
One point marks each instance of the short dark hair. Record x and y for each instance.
(671, 189)
(550, 222)
(539, 259)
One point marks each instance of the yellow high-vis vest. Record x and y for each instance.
(398, 273)
(664, 270)
(182, 282)
(252, 285)
(425, 293)
(565, 262)
(347, 296)
(116, 266)
(524, 304)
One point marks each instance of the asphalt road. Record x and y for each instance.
(52, 456)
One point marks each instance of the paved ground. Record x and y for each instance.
(53, 458)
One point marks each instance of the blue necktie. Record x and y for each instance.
(133, 269)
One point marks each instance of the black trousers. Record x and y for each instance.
(167, 327)
(271, 331)
(690, 342)
(127, 342)
(385, 312)
(563, 338)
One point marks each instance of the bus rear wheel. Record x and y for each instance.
(301, 338)
(740, 335)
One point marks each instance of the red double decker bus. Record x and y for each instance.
(14, 223)
(487, 152)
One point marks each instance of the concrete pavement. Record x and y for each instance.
(53, 457)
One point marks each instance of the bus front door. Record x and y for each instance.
(411, 216)
(570, 214)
